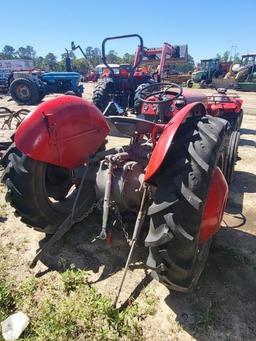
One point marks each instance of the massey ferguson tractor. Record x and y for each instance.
(121, 86)
(172, 169)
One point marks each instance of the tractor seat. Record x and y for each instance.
(128, 126)
(123, 73)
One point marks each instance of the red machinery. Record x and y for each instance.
(227, 106)
(121, 86)
(161, 57)
(171, 169)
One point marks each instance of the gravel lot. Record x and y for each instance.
(222, 306)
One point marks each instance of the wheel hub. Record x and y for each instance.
(23, 92)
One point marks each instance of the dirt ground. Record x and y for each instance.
(222, 306)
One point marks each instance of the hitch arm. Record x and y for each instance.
(137, 228)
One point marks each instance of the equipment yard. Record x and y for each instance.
(223, 304)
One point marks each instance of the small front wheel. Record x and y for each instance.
(203, 84)
(190, 83)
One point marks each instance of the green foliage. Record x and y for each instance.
(7, 297)
(128, 58)
(189, 66)
(50, 61)
(27, 52)
(7, 300)
(3, 210)
(8, 52)
(39, 62)
(209, 316)
(228, 57)
(82, 65)
(236, 58)
(72, 280)
(69, 309)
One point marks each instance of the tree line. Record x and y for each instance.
(228, 57)
(50, 61)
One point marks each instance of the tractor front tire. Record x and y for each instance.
(24, 91)
(40, 192)
(189, 83)
(175, 255)
(203, 84)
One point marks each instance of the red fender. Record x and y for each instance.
(166, 138)
(63, 131)
(214, 206)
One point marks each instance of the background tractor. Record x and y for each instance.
(30, 87)
(7, 67)
(120, 85)
(209, 69)
(170, 169)
(241, 76)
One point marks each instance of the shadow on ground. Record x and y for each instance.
(76, 249)
(223, 304)
(247, 142)
(243, 182)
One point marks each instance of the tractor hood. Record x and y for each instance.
(64, 131)
(53, 76)
(197, 75)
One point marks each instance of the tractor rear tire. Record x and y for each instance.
(102, 93)
(41, 96)
(5, 157)
(39, 192)
(175, 255)
(24, 91)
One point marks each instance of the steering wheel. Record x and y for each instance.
(161, 93)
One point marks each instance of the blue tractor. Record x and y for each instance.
(30, 87)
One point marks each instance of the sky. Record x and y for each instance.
(208, 27)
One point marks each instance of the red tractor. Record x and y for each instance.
(229, 107)
(170, 169)
(121, 85)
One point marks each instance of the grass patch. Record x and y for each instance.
(151, 301)
(208, 318)
(3, 210)
(68, 308)
(2, 188)
(7, 300)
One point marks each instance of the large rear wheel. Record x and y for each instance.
(42, 194)
(102, 93)
(182, 186)
(24, 91)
